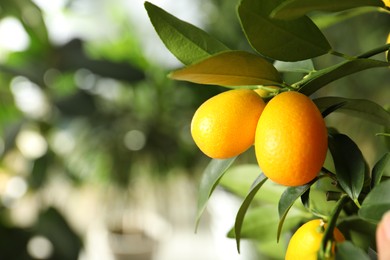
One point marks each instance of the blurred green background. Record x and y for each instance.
(95, 138)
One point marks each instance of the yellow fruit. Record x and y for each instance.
(291, 139)
(306, 241)
(387, 3)
(224, 126)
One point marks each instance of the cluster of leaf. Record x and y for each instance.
(285, 39)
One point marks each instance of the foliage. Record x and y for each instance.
(100, 113)
(286, 41)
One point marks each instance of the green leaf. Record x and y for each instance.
(304, 66)
(232, 68)
(294, 40)
(272, 249)
(376, 203)
(319, 79)
(319, 204)
(331, 221)
(10, 133)
(37, 31)
(358, 107)
(388, 55)
(239, 179)
(256, 226)
(349, 164)
(245, 205)
(386, 131)
(211, 176)
(379, 169)
(293, 9)
(261, 223)
(325, 20)
(9, 113)
(287, 200)
(52, 225)
(39, 171)
(347, 251)
(188, 43)
(358, 231)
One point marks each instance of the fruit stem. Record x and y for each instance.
(333, 195)
(375, 51)
(325, 251)
(269, 89)
(383, 134)
(342, 55)
(364, 55)
(329, 174)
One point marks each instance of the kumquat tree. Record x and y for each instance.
(309, 192)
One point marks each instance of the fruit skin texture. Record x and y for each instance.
(306, 241)
(291, 139)
(225, 125)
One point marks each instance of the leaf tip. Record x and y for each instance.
(238, 245)
(147, 5)
(196, 225)
(171, 75)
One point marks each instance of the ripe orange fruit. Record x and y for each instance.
(291, 139)
(225, 125)
(306, 241)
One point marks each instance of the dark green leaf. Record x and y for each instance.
(211, 176)
(292, 9)
(39, 171)
(376, 203)
(294, 40)
(188, 43)
(71, 56)
(53, 225)
(287, 200)
(320, 78)
(245, 205)
(231, 68)
(332, 108)
(11, 132)
(347, 251)
(360, 232)
(17, 241)
(305, 199)
(78, 104)
(349, 164)
(379, 169)
(358, 107)
(388, 54)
